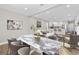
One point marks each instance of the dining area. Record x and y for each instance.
(44, 30)
(41, 43)
(33, 29)
(32, 45)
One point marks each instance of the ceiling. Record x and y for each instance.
(47, 12)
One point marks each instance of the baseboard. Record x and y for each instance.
(3, 43)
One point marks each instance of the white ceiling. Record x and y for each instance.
(32, 8)
(48, 12)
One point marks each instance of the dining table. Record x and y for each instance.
(46, 45)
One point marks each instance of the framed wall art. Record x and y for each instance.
(38, 24)
(14, 25)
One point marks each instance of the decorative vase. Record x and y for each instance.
(37, 38)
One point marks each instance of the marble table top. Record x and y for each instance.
(46, 45)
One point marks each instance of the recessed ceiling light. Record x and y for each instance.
(41, 4)
(68, 6)
(25, 8)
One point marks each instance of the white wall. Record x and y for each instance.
(27, 23)
(5, 34)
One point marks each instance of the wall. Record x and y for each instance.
(27, 23)
(5, 34)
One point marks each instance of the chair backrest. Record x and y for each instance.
(34, 52)
(15, 46)
(73, 40)
(11, 40)
(23, 51)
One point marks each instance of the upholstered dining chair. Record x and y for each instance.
(9, 44)
(34, 52)
(15, 46)
(24, 51)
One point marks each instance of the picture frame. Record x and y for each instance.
(14, 25)
(38, 24)
(51, 25)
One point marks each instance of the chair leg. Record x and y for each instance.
(9, 50)
(29, 50)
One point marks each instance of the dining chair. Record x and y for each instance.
(34, 52)
(23, 51)
(9, 45)
(15, 46)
